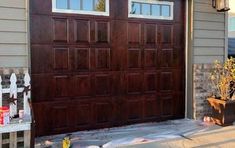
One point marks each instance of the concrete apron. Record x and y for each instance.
(140, 135)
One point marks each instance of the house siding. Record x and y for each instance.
(14, 34)
(208, 43)
(208, 33)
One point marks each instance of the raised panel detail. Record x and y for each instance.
(134, 83)
(152, 108)
(166, 57)
(167, 36)
(102, 32)
(58, 111)
(82, 85)
(82, 59)
(166, 106)
(102, 58)
(61, 58)
(61, 86)
(60, 26)
(102, 84)
(134, 58)
(166, 81)
(83, 114)
(103, 112)
(150, 36)
(150, 58)
(150, 82)
(134, 33)
(134, 108)
(82, 31)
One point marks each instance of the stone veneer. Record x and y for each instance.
(202, 88)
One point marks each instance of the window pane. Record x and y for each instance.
(231, 24)
(156, 10)
(87, 5)
(165, 10)
(75, 4)
(100, 5)
(61, 4)
(146, 9)
(135, 8)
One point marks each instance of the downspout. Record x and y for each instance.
(189, 113)
(226, 35)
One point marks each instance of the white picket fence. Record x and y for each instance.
(17, 124)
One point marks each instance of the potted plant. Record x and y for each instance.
(222, 101)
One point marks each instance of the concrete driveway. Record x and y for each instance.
(176, 133)
(215, 136)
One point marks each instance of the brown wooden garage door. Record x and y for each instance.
(102, 71)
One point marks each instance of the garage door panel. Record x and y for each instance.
(82, 86)
(82, 30)
(150, 82)
(103, 85)
(134, 108)
(82, 59)
(134, 33)
(150, 58)
(150, 34)
(59, 116)
(134, 83)
(60, 29)
(166, 57)
(165, 82)
(167, 106)
(134, 58)
(62, 86)
(152, 107)
(81, 113)
(103, 112)
(103, 57)
(102, 32)
(61, 59)
(166, 36)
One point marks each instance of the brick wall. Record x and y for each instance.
(202, 88)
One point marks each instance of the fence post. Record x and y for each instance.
(13, 95)
(27, 94)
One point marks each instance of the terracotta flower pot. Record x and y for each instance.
(223, 112)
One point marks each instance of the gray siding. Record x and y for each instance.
(13, 33)
(208, 33)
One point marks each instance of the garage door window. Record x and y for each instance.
(151, 9)
(91, 7)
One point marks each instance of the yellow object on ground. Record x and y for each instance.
(66, 142)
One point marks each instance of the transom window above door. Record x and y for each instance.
(91, 7)
(152, 9)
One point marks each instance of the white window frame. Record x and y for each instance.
(171, 4)
(106, 13)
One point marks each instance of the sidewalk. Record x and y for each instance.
(176, 133)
